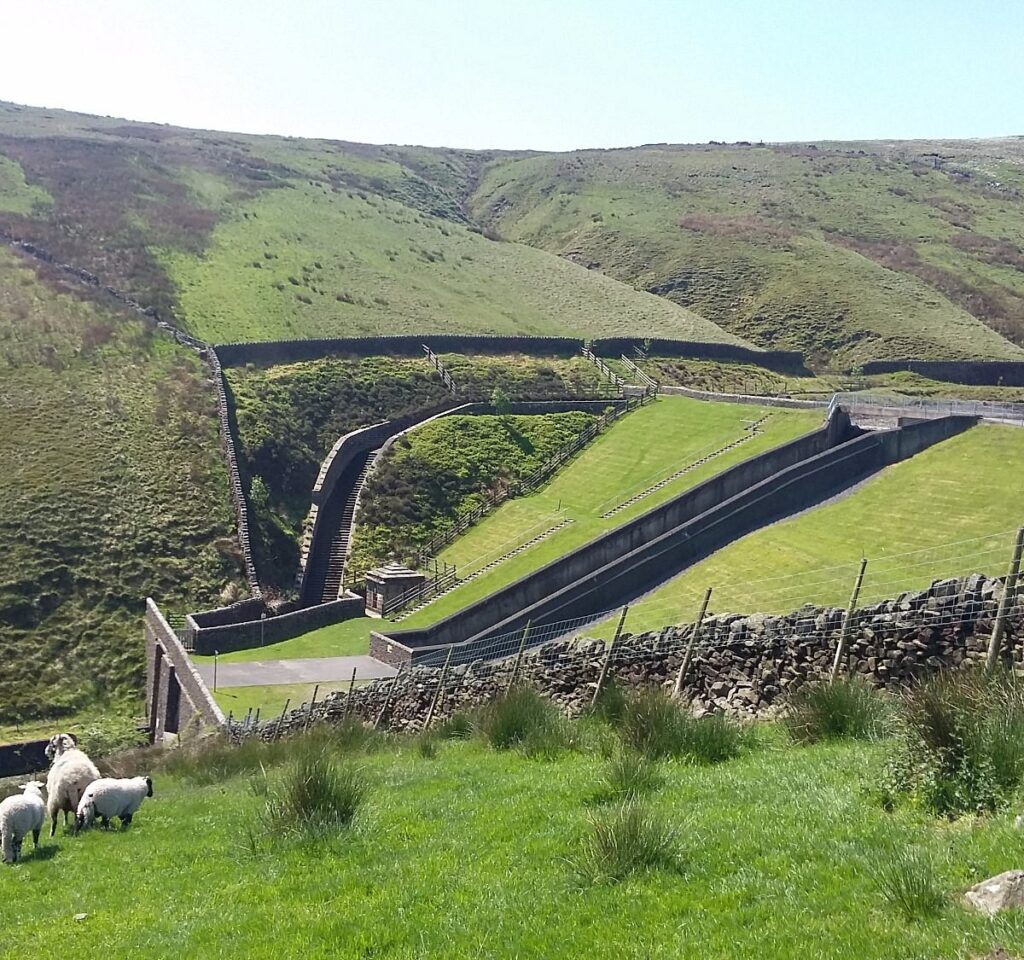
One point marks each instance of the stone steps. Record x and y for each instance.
(340, 544)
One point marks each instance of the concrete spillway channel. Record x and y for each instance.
(642, 553)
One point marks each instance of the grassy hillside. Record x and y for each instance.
(247, 237)
(428, 479)
(476, 852)
(635, 453)
(113, 487)
(290, 416)
(916, 521)
(845, 251)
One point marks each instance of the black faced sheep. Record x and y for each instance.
(109, 797)
(71, 771)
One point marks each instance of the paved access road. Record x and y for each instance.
(258, 673)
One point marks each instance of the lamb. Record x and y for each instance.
(20, 815)
(71, 772)
(110, 797)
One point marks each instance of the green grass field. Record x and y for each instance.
(344, 639)
(470, 854)
(634, 453)
(949, 511)
(271, 700)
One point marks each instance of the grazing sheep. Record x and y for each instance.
(109, 797)
(21, 815)
(70, 773)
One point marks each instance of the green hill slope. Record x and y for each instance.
(845, 251)
(916, 521)
(112, 487)
(248, 237)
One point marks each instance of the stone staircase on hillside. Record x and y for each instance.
(338, 556)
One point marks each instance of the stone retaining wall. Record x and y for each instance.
(228, 637)
(1004, 373)
(743, 665)
(176, 697)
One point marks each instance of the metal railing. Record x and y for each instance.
(927, 407)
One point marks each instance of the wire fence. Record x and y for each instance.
(684, 657)
(891, 406)
(926, 581)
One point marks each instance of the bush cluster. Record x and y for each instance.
(960, 743)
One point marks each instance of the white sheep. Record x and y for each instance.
(110, 797)
(71, 771)
(21, 815)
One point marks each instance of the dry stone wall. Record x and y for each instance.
(743, 665)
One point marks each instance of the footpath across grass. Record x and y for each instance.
(949, 511)
(468, 852)
(636, 452)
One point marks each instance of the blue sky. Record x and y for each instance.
(548, 75)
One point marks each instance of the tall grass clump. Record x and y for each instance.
(317, 794)
(908, 881)
(847, 708)
(655, 726)
(628, 776)
(214, 759)
(611, 702)
(961, 743)
(525, 720)
(626, 840)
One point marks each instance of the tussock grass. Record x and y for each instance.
(627, 776)
(909, 882)
(459, 726)
(849, 707)
(611, 702)
(216, 759)
(524, 720)
(658, 728)
(316, 794)
(961, 743)
(626, 840)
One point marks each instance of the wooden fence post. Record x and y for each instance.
(519, 658)
(608, 657)
(280, 720)
(1005, 602)
(844, 631)
(388, 696)
(440, 686)
(348, 697)
(312, 704)
(677, 690)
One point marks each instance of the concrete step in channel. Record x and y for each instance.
(751, 430)
(486, 568)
